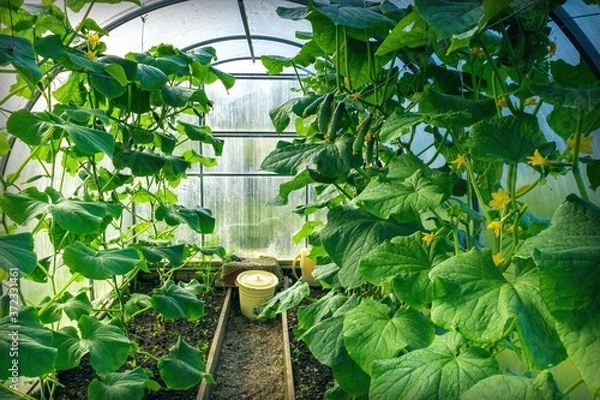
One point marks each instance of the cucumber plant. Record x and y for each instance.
(109, 144)
(436, 266)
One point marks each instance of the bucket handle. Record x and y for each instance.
(296, 258)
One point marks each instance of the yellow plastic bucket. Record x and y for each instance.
(256, 287)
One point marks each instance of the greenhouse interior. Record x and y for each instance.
(300, 199)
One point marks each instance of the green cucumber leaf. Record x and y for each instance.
(351, 233)
(199, 219)
(326, 306)
(373, 331)
(202, 134)
(32, 127)
(350, 377)
(173, 301)
(22, 56)
(151, 77)
(83, 217)
(471, 296)
(16, 254)
(406, 261)
(285, 300)
(354, 17)
(174, 254)
(498, 387)
(398, 124)
(107, 344)
(453, 110)
(70, 352)
(99, 264)
(441, 368)
(23, 339)
(451, 17)
(585, 99)
(330, 160)
(183, 367)
(129, 385)
(410, 32)
(325, 340)
(405, 200)
(567, 255)
(73, 306)
(488, 138)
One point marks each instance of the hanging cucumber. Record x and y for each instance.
(336, 122)
(312, 107)
(325, 112)
(370, 147)
(357, 145)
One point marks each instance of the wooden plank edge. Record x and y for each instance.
(215, 347)
(290, 393)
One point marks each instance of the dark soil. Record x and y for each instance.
(154, 335)
(251, 364)
(311, 378)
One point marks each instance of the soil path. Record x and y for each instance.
(251, 363)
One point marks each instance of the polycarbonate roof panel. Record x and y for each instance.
(193, 23)
(581, 23)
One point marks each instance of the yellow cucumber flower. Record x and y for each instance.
(500, 199)
(93, 39)
(428, 238)
(498, 259)
(537, 159)
(355, 96)
(496, 227)
(530, 101)
(585, 144)
(460, 161)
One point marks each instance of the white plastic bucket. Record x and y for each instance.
(255, 287)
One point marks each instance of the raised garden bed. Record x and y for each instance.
(248, 359)
(156, 335)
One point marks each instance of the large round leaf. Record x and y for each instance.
(511, 138)
(472, 296)
(107, 344)
(406, 261)
(25, 345)
(173, 302)
(16, 253)
(500, 387)
(567, 255)
(405, 200)
(128, 385)
(373, 331)
(329, 160)
(183, 367)
(20, 53)
(99, 264)
(351, 233)
(441, 370)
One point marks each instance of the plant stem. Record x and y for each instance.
(344, 191)
(473, 184)
(149, 355)
(575, 162)
(138, 312)
(298, 79)
(120, 299)
(18, 393)
(573, 386)
(338, 82)
(72, 279)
